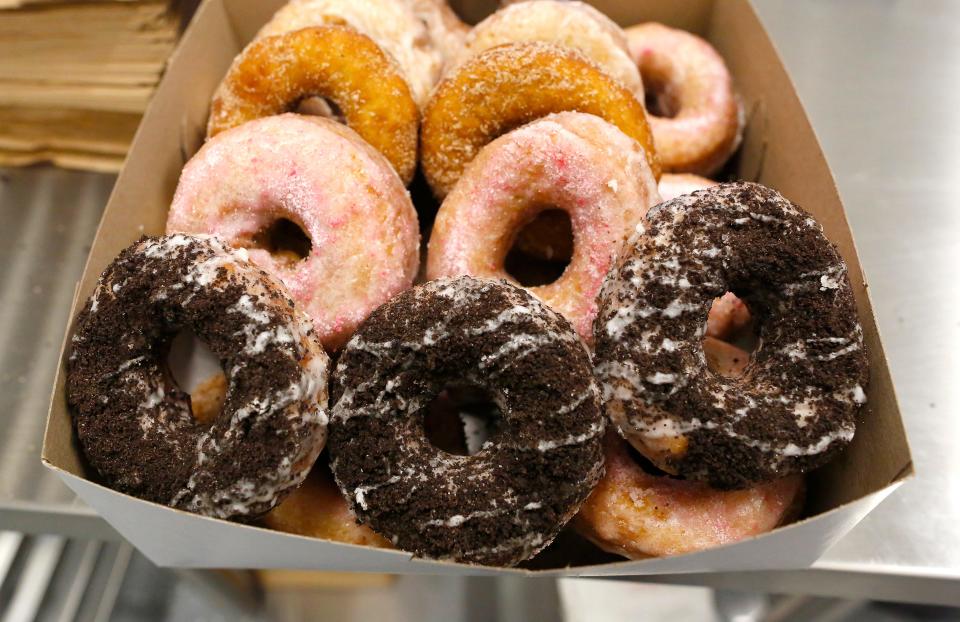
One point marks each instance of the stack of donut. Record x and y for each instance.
(621, 395)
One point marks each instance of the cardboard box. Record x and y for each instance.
(779, 150)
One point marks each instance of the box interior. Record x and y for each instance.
(779, 149)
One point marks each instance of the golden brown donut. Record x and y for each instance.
(318, 510)
(569, 23)
(510, 85)
(336, 62)
(418, 34)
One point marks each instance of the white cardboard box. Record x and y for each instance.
(779, 150)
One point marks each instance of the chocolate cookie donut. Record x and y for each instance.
(795, 405)
(135, 425)
(506, 502)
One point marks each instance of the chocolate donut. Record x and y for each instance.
(506, 502)
(135, 425)
(795, 405)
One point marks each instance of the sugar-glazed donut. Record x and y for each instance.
(796, 404)
(323, 177)
(572, 24)
(135, 425)
(509, 85)
(638, 514)
(695, 114)
(571, 161)
(445, 28)
(412, 32)
(506, 502)
(273, 74)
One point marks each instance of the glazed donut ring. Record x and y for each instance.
(572, 24)
(135, 425)
(320, 175)
(509, 500)
(570, 161)
(548, 236)
(509, 85)
(273, 74)
(693, 82)
(796, 404)
(404, 30)
(637, 514)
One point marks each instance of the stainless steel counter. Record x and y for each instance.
(48, 220)
(880, 81)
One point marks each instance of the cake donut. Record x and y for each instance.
(570, 161)
(333, 61)
(317, 510)
(403, 33)
(134, 424)
(695, 114)
(729, 315)
(795, 406)
(509, 85)
(572, 24)
(638, 514)
(508, 501)
(323, 177)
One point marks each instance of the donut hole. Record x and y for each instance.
(319, 106)
(659, 95)
(285, 240)
(195, 369)
(731, 336)
(541, 249)
(461, 419)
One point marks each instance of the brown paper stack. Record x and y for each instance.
(75, 77)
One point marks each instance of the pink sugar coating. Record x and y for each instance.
(636, 514)
(571, 161)
(673, 185)
(323, 176)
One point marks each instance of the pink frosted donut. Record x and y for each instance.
(728, 316)
(696, 117)
(548, 236)
(673, 185)
(323, 177)
(570, 161)
(637, 514)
